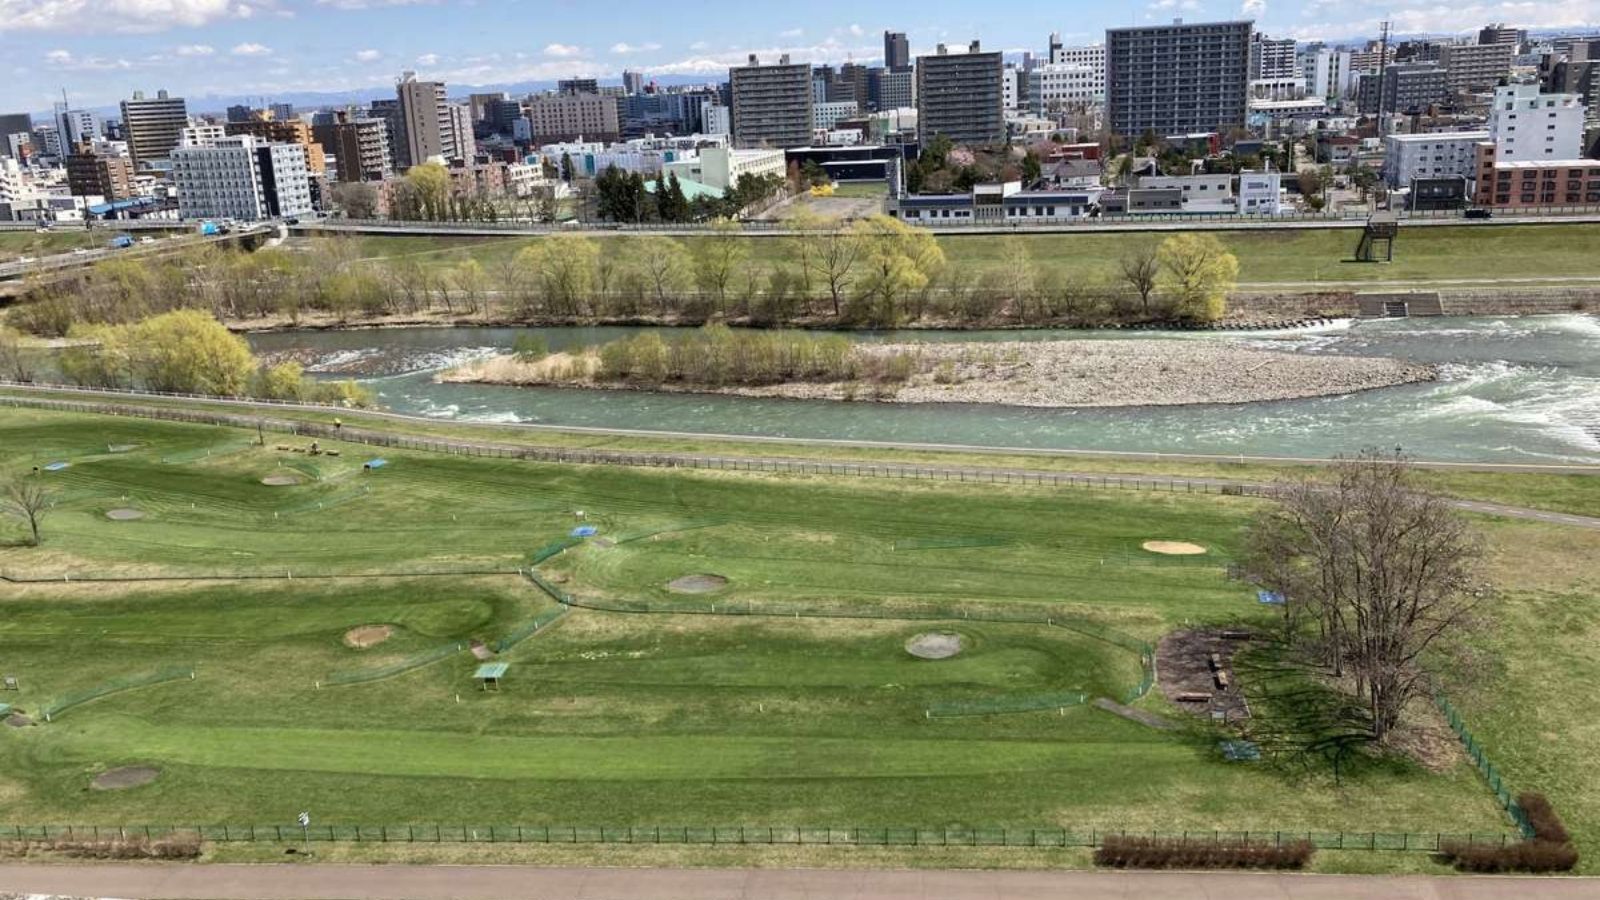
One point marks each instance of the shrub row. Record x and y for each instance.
(1177, 853)
(1549, 850)
(170, 848)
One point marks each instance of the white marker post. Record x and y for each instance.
(305, 831)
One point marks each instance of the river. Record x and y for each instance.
(1513, 390)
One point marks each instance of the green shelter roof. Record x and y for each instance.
(491, 671)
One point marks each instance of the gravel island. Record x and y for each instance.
(1045, 374)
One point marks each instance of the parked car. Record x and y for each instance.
(1480, 213)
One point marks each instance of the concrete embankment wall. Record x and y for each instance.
(1471, 302)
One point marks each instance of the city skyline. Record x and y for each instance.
(100, 51)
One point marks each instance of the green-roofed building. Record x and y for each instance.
(692, 190)
(489, 675)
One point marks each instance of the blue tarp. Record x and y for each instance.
(56, 466)
(1270, 597)
(375, 464)
(585, 531)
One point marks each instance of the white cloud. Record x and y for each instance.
(368, 56)
(791, 33)
(624, 47)
(428, 59)
(1361, 18)
(703, 63)
(370, 4)
(251, 49)
(562, 51)
(856, 30)
(1168, 5)
(195, 50)
(1254, 9)
(128, 16)
(65, 61)
(58, 56)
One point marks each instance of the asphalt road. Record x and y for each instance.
(341, 882)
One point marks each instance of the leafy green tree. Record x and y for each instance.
(430, 185)
(1197, 273)
(1032, 169)
(896, 260)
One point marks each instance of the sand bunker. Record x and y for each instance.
(124, 515)
(1175, 548)
(367, 636)
(935, 645)
(124, 778)
(280, 480)
(697, 584)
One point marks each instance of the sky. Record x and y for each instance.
(101, 51)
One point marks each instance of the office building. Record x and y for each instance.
(360, 147)
(240, 113)
(427, 125)
(1501, 34)
(892, 88)
(11, 125)
(153, 126)
(771, 105)
(570, 117)
(896, 50)
(241, 177)
(1475, 67)
(961, 96)
(94, 175)
(1533, 183)
(632, 82)
(1407, 157)
(1525, 124)
(827, 115)
(75, 125)
(1063, 87)
(283, 131)
(1411, 88)
(1177, 79)
(1093, 56)
(1272, 59)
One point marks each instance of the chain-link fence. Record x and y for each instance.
(1489, 771)
(53, 710)
(378, 673)
(746, 835)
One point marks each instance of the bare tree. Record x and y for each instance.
(28, 501)
(1140, 269)
(1386, 572)
(13, 358)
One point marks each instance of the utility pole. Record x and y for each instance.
(1383, 79)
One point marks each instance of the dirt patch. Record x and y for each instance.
(697, 584)
(18, 720)
(935, 645)
(1135, 715)
(280, 480)
(603, 543)
(124, 778)
(367, 636)
(124, 515)
(481, 651)
(1188, 679)
(1175, 548)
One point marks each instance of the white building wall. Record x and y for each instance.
(221, 180)
(1409, 156)
(1528, 126)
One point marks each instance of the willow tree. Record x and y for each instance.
(897, 260)
(1197, 273)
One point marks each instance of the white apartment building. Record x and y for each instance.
(1410, 156)
(241, 177)
(827, 115)
(1092, 56)
(202, 134)
(1055, 86)
(1527, 126)
(1332, 73)
(1013, 83)
(717, 120)
(1200, 193)
(721, 168)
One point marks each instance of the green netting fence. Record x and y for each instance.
(750, 835)
(1014, 703)
(378, 673)
(56, 707)
(1489, 771)
(528, 629)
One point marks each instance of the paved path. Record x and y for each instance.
(339, 882)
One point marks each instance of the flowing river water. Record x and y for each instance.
(1512, 390)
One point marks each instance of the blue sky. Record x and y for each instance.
(102, 50)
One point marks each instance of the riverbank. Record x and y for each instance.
(1034, 374)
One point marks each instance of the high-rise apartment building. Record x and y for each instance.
(1500, 33)
(1525, 124)
(11, 125)
(153, 126)
(559, 118)
(892, 88)
(896, 50)
(1475, 67)
(578, 86)
(632, 82)
(961, 96)
(94, 175)
(1410, 88)
(772, 104)
(1272, 59)
(360, 147)
(428, 127)
(1177, 78)
(283, 131)
(241, 177)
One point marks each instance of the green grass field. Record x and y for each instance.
(634, 719)
(1299, 255)
(14, 244)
